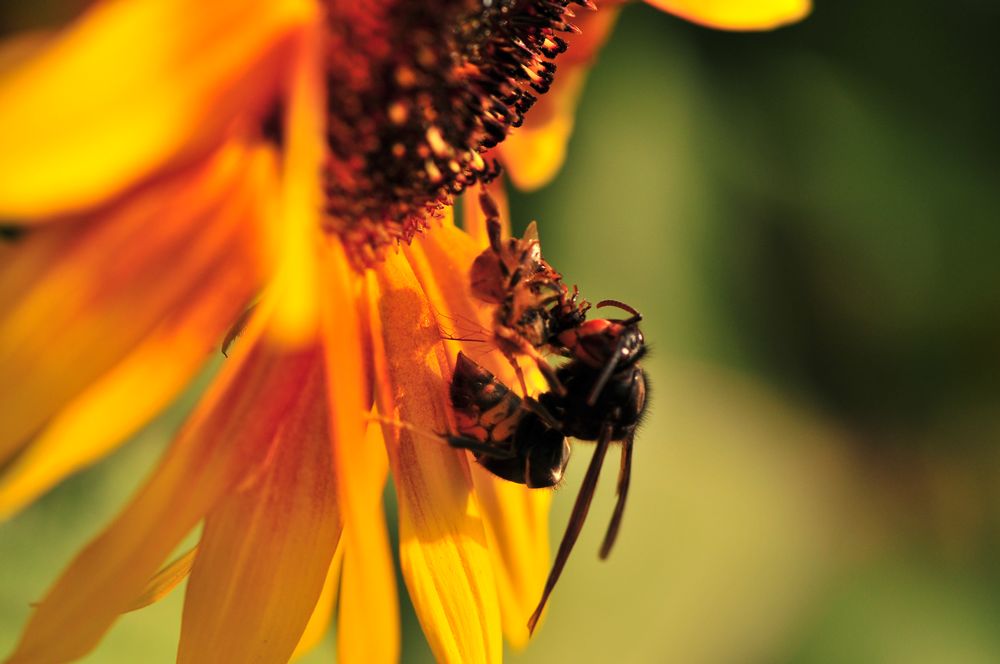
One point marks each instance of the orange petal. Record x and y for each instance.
(322, 615)
(229, 436)
(443, 550)
(516, 517)
(132, 86)
(266, 549)
(76, 299)
(737, 14)
(129, 395)
(165, 580)
(368, 619)
(535, 152)
(369, 612)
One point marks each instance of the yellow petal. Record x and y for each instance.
(165, 580)
(266, 550)
(534, 153)
(368, 619)
(75, 299)
(322, 615)
(294, 286)
(737, 14)
(132, 86)
(228, 438)
(516, 517)
(127, 396)
(517, 528)
(443, 550)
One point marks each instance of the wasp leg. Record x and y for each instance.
(624, 477)
(479, 447)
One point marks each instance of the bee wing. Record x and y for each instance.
(576, 520)
(531, 232)
(624, 477)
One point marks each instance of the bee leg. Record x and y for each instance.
(479, 447)
(492, 213)
(509, 342)
(517, 370)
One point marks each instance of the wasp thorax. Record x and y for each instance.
(418, 93)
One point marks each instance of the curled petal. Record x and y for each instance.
(73, 135)
(737, 14)
(124, 271)
(266, 549)
(443, 549)
(218, 450)
(165, 580)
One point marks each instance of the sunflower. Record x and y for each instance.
(283, 170)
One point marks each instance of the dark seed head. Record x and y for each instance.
(417, 92)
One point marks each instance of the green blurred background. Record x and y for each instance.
(807, 220)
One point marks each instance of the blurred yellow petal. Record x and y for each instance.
(294, 286)
(85, 296)
(165, 580)
(737, 14)
(266, 549)
(322, 615)
(97, 110)
(517, 528)
(230, 436)
(443, 550)
(129, 395)
(534, 152)
(368, 619)
(516, 517)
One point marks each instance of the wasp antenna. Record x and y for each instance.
(622, 306)
(605, 376)
(576, 520)
(624, 478)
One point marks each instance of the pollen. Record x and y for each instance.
(416, 103)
